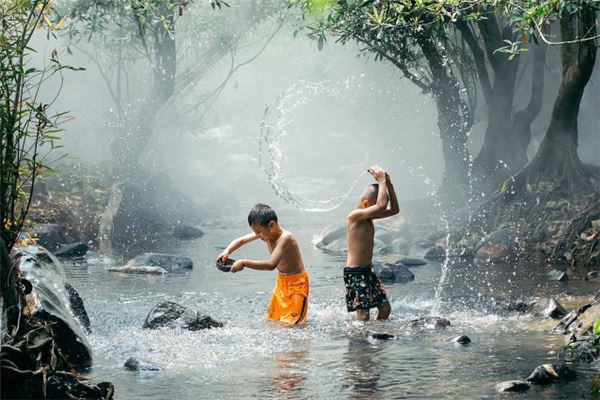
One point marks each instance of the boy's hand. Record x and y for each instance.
(237, 266)
(223, 256)
(378, 173)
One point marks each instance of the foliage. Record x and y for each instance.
(28, 132)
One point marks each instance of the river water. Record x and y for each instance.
(330, 357)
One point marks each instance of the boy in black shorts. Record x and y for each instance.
(363, 289)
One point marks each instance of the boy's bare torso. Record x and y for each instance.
(291, 260)
(360, 243)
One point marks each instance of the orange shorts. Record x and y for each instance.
(289, 301)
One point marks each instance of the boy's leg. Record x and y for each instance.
(383, 311)
(296, 314)
(362, 314)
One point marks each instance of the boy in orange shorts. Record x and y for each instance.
(289, 301)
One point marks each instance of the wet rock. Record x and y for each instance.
(389, 273)
(547, 308)
(435, 253)
(462, 339)
(50, 236)
(554, 310)
(570, 322)
(429, 323)
(548, 373)
(170, 262)
(186, 232)
(332, 238)
(518, 306)
(142, 269)
(408, 261)
(54, 300)
(560, 276)
(71, 250)
(592, 275)
(500, 246)
(173, 315)
(460, 252)
(380, 335)
(133, 364)
(512, 386)
(587, 320)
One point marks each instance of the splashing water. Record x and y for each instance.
(303, 193)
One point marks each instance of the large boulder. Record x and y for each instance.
(50, 236)
(391, 236)
(548, 373)
(393, 273)
(51, 298)
(169, 262)
(187, 232)
(71, 250)
(172, 315)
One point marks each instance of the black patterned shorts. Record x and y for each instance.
(363, 289)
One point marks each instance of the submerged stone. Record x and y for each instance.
(143, 269)
(173, 315)
(429, 323)
(170, 262)
(462, 339)
(409, 261)
(512, 386)
(133, 364)
(71, 250)
(380, 335)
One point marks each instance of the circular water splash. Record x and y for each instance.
(308, 194)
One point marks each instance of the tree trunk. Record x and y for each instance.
(557, 160)
(453, 122)
(130, 143)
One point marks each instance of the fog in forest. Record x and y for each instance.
(343, 112)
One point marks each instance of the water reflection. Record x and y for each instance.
(361, 369)
(291, 369)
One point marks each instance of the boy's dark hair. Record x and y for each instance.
(261, 214)
(371, 191)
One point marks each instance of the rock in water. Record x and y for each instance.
(170, 262)
(389, 273)
(512, 386)
(435, 253)
(133, 364)
(554, 310)
(547, 373)
(429, 323)
(380, 335)
(72, 250)
(462, 339)
(173, 315)
(144, 269)
(54, 300)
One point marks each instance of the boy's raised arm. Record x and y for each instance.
(382, 198)
(236, 244)
(394, 209)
